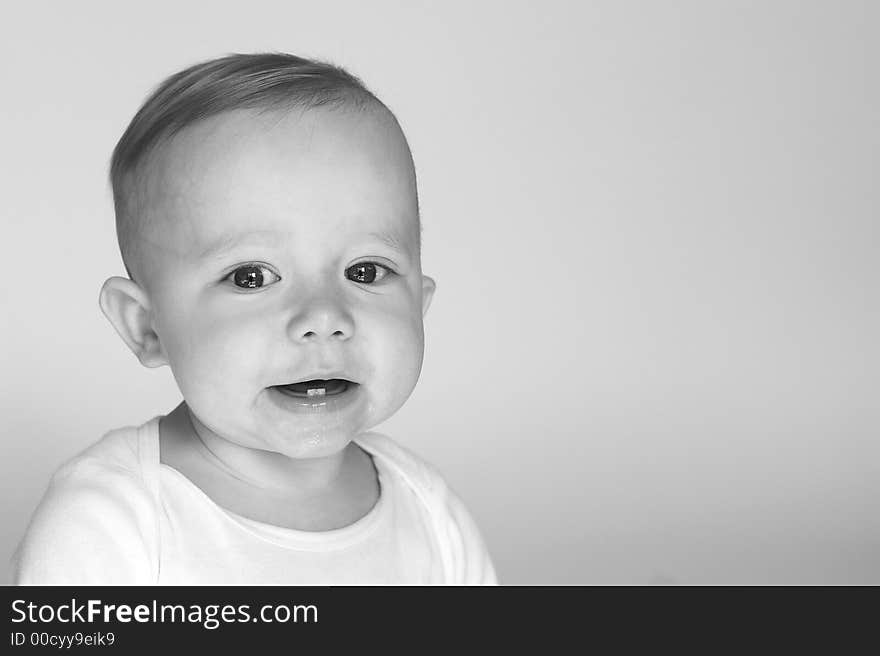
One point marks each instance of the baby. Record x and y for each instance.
(268, 219)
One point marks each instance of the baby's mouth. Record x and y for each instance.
(317, 388)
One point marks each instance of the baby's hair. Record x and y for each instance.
(262, 81)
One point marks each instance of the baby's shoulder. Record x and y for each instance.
(403, 462)
(96, 522)
(464, 554)
(117, 453)
(110, 478)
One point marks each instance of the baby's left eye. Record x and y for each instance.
(367, 272)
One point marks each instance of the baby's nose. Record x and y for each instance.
(322, 319)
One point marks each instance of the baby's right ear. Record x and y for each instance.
(128, 308)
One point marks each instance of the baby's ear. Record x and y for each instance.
(128, 308)
(428, 287)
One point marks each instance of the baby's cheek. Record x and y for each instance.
(399, 356)
(216, 353)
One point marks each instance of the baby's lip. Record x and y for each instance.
(316, 397)
(319, 375)
(318, 388)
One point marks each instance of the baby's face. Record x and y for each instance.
(284, 249)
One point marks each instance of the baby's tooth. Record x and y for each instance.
(316, 391)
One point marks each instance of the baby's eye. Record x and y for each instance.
(253, 276)
(367, 272)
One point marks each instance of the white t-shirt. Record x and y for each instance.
(115, 515)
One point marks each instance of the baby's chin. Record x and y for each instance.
(316, 444)
(303, 420)
(293, 440)
(298, 424)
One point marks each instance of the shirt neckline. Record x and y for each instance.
(279, 535)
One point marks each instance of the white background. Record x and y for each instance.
(652, 356)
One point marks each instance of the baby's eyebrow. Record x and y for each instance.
(228, 242)
(390, 239)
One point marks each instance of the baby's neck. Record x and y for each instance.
(267, 470)
(308, 494)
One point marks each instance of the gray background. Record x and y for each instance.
(652, 356)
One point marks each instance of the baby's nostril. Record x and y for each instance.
(311, 334)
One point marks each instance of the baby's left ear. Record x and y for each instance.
(428, 287)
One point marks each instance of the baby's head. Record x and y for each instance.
(267, 213)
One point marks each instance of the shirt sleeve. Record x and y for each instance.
(471, 563)
(465, 558)
(96, 525)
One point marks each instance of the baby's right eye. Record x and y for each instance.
(253, 276)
